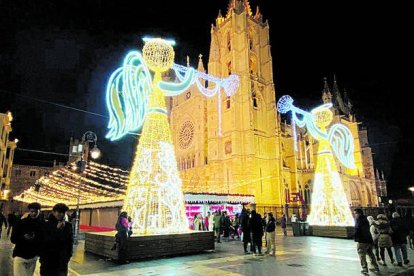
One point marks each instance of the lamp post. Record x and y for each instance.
(87, 137)
(412, 190)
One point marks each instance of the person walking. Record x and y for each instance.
(26, 236)
(226, 226)
(383, 229)
(365, 243)
(57, 242)
(283, 224)
(374, 236)
(11, 219)
(270, 234)
(399, 238)
(256, 233)
(3, 220)
(121, 237)
(207, 222)
(217, 225)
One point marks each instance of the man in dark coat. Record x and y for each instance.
(245, 228)
(399, 238)
(57, 242)
(26, 236)
(256, 228)
(365, 243)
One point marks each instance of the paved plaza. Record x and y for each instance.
(294, 256)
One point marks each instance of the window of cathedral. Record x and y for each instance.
(228, 103)
(254, 96)
(228, 42)
(229, 67)
(193, 162)
(186, 135)
(252, 65)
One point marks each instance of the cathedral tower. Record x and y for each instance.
(237, 138)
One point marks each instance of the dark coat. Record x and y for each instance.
(24, 248)
(362, 233)
(399, 231)
(271, 225)
(283, 222)
(244, 222)
(382, 227)
(256, 226)
(11, 219)
(56, 249)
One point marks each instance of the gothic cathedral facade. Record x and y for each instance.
(238, 144)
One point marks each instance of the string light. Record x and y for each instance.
(329, 205)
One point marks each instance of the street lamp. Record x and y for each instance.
(87, 137)
(412, 190)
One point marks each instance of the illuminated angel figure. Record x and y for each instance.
(329, 203)
(136, 100)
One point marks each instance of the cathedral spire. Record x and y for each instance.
(200, 63)
(326, 92)
(238, 6)
(338, 101)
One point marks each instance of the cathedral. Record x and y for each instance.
(239, 145)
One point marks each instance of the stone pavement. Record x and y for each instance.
(294, 256)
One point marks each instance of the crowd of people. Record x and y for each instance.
(50, 240)
(382, 235)
(248, 226)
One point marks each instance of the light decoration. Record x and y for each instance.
(329, 205)
(154, 198)
(129, 87)
(100, 183)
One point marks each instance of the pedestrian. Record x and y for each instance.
(410, 227)
(256, 233)
(207, 222)
(270, 234)
(2, 220)
(264, 222)
(57, 242)
(198, 223)
(365, 243)
(374, 236)
(399, 238)
(383, 229)
(130, 223)
(226, 226)
(283, 224)
(26, 236)
(245, 228)
(234, 227)
(293, 218)
(211, 222)
(11, 219)
(217, 225)
(121, 237)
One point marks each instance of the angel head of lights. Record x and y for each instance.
(317, 122)
(129, 87)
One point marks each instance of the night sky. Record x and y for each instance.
(64, 51)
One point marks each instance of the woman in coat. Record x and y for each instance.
(374, 235)
(383, 229)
